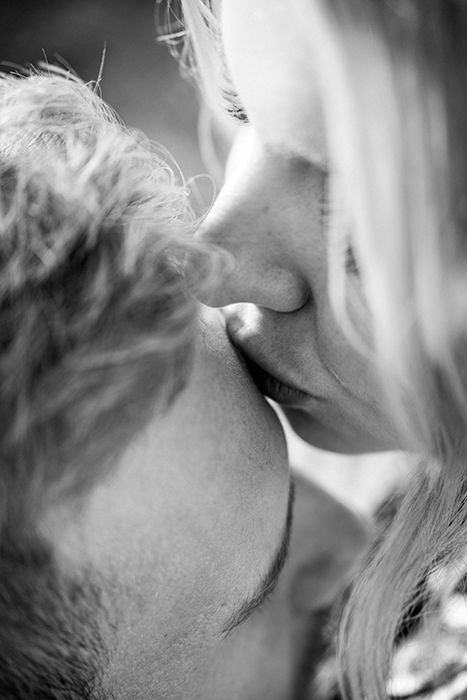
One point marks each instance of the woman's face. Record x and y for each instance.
(270, 216)
(190, 535)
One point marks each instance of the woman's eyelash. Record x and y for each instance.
(324, 206)
(233, 106)
(351, 265)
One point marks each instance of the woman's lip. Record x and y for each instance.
(271, 386)
(268, 384)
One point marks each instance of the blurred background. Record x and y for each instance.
(140, 79)
(143, 84)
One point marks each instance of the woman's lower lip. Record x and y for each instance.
(272, 387)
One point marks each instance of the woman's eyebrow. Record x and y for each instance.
(269, 581)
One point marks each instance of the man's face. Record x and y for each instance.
(271, 216)
(189, 535)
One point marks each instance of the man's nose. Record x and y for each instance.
(247, 224)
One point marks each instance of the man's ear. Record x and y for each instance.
(328, 542)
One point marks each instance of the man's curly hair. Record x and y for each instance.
(96, 330)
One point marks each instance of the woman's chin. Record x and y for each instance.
(334, 436)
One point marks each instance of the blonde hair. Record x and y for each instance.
(392, 77)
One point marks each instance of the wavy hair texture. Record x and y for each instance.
(97, 323)
(392, 77)
(392, 85)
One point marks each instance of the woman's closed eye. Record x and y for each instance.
(351, 265)
(326, 211)
(233, 105)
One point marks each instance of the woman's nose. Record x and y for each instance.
(258, 269)
(247, 223)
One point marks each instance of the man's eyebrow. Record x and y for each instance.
(269, 581)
